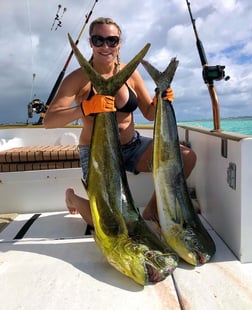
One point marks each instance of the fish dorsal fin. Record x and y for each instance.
(111, 85)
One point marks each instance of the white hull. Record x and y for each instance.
(55, 266)
(44, 190)
(227, 209)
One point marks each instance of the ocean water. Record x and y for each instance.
(241, 125)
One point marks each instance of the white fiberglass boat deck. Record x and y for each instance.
(52, 264)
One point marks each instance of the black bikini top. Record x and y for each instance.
(129, 107)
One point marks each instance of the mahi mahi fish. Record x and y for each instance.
(179, 223)
(124, 238)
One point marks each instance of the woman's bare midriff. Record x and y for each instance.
(126, 128)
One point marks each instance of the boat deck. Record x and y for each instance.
(48, 261)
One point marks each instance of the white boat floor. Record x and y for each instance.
(54, 265)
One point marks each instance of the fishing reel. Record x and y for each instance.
(36, 106)
(214, 73)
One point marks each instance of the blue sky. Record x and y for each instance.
(29, 46)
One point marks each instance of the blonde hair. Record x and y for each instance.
(102, 21)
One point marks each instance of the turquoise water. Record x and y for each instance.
(241, 125)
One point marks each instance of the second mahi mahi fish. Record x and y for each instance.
(179, 223)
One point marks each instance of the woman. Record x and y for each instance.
(105, 41)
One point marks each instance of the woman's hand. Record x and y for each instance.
(166, 95)
(98, 103)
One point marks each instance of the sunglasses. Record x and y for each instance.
(111, 41)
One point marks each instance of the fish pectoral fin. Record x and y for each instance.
(179, 218)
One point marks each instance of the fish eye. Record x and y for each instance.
(149, 254)
(195, 242)
(187, 238)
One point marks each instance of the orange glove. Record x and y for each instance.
(98, 103)
(167, 95)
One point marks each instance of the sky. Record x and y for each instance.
(34, 49)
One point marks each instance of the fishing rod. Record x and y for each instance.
(209, 74)
(62, 73)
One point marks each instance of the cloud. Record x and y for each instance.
(29, 46)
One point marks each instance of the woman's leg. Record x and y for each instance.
(77, 204)
(189, 160)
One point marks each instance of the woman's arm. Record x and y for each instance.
(144, 100)
(60, 111)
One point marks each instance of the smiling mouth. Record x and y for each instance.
(105, 54)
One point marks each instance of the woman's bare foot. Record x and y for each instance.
(70, 201)
(150, 212)
(77, 204)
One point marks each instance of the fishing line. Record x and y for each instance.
(32, 56)
(62, 73)
(81, 32)
(54, 64)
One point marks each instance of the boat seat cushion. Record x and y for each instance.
(39, 158)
